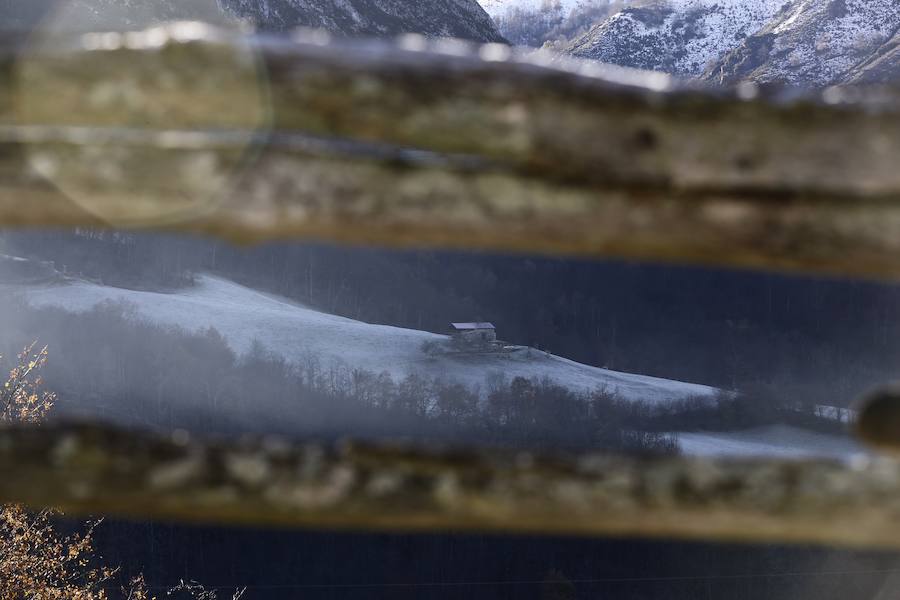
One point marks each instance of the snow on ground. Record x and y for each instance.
(498, 7)
(297, 332)
(723, 24)
(819, 42)
(779, 441)
(243, 315)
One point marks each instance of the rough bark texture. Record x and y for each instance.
(438, 143)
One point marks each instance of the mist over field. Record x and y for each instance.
(325, 341)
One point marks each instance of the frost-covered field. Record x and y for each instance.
(780, 441)
(298, 333)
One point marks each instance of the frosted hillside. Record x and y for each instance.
(811, 43)
(780, 441)
(438, 18)
(818, 43)
(681, 37)
(298, 333)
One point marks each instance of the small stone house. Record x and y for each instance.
(473, 333)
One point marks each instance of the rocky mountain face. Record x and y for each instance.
(819, 43)
(798, 42)
(881, 66)
(682, 37)
(464, 19)
(436, 18)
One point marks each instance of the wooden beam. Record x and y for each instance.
(269, 481)
(439, 143)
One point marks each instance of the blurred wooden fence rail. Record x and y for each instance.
(440, 143)
(436, 143)
(267, 481)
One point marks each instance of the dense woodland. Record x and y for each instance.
(806, 340)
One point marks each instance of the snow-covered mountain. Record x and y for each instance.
(299, 333)
(799, 42)
(464, 19)
(819, 43)
(495, 7)
(682, 37)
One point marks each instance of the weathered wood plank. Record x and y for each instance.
(436, 143)
(267, 481)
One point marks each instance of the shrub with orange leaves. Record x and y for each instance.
(21, 399)
(36, 561)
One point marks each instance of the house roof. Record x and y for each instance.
(470, 326)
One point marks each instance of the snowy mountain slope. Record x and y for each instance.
(811, 43)
(781, 441)
(682, 37)
(495, 7)
(439, 18)
(881, 67)
(300, 333)
(819, 43)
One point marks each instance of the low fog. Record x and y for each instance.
(770, 345)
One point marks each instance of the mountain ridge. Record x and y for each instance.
(675, 36)
(464, 19)
(807, 43)
(818, 43)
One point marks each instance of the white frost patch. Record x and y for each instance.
(789, 22)
(298, 333)
(779, 441)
